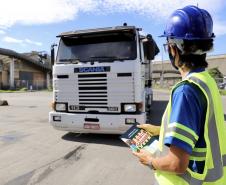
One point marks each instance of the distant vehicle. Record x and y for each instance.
(222, 85)
(102, 80)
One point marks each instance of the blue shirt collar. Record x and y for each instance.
(198, 70)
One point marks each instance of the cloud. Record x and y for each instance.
(41, 11)
(12, 40)
(159, 9)
(32, 42)
(54, 11)
(2, 32)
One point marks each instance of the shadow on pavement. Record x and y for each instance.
(106, 139)
(157, 110)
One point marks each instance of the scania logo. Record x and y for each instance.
(92, 69)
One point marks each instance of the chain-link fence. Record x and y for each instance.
(221, 82)
(32, 84)
(169, 82)
(165, 83)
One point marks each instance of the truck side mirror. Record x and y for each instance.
(53, 54)
(150, 47)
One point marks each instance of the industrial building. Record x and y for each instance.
(27, 70)
(165, 75)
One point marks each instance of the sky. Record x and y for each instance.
(32, 25)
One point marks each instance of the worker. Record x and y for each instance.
(193, 127)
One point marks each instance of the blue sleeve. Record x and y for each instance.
(187, 111)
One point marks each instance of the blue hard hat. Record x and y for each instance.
(191, 23)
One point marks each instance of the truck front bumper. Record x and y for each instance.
(103, 123)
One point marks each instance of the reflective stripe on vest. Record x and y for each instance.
(181, 132)
(224, 160)
(198, 154)
(217, 171)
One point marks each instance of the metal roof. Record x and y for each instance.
(11, 53)
(97, 30)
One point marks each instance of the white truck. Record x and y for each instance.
(102, 80)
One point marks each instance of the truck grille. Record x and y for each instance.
(92, 89)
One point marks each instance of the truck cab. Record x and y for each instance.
(102, 80)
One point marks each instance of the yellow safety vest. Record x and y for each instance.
(214, 154)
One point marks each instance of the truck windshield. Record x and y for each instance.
(98, 47)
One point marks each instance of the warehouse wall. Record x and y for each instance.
(168, 79)
(36, 80)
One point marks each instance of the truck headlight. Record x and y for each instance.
(60, 106)
(130, 107)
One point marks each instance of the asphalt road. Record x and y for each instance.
(33, 153)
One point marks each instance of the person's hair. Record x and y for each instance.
(191, 60)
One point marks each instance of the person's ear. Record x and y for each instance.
(172, 50)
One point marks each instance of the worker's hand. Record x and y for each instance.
(152, 129)
(144, 156)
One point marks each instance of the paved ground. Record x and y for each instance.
(33, 153)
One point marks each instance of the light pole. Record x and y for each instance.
(161, 76)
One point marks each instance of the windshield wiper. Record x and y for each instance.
(107, 58)
(111, 57)
(71, 60)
